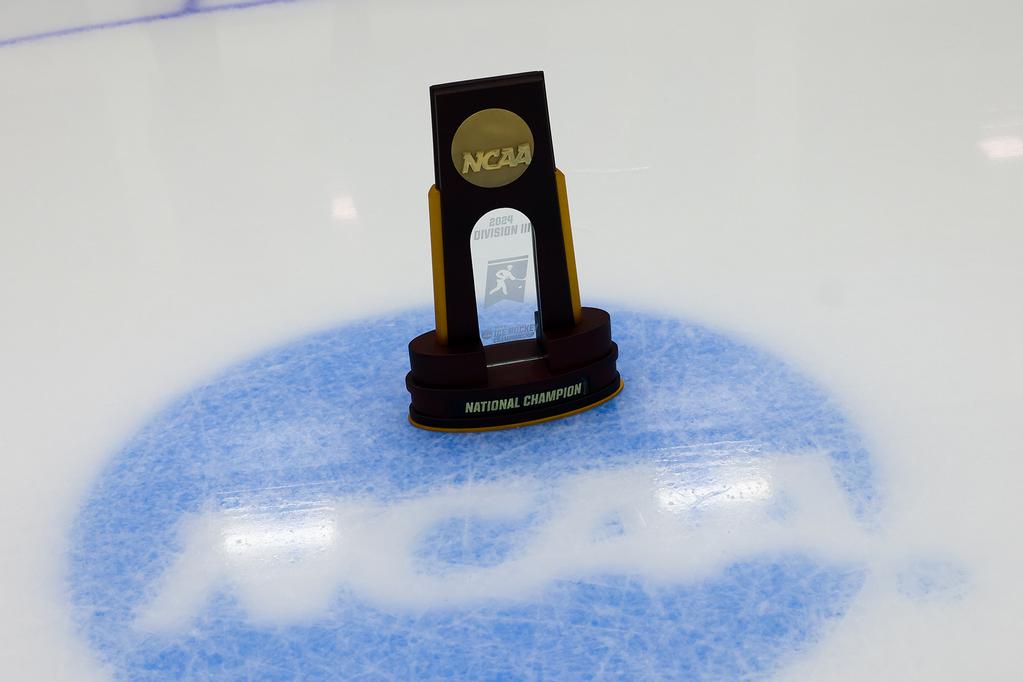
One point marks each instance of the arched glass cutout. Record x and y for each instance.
(504, 276)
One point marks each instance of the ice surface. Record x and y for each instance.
(710, 521)
(836, 182)
(675, 524)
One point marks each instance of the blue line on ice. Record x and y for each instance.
(189, 7)
(283, 521)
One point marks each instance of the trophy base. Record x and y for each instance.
(513, 384)
(512, 421)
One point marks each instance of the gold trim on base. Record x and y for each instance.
(566, 233)
(479, 429)
(440, 301)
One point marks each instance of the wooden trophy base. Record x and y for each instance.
(513, 384)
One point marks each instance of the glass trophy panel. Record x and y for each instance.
(504, 276)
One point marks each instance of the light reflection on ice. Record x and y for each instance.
(273, 535)
(343, 209)
(734, 492)
(1002, 146)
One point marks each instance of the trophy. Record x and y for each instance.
(513, 345)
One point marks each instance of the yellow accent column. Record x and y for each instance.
(566, 230)
(440, 305)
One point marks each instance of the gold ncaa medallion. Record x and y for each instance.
(492, 148)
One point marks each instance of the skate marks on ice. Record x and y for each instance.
(282, 521)
(660, 524)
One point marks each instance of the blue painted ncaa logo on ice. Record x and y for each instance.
(284, 521)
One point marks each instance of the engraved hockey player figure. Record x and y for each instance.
(502, 281)
(506, 280)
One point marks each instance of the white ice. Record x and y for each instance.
(837, 181)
